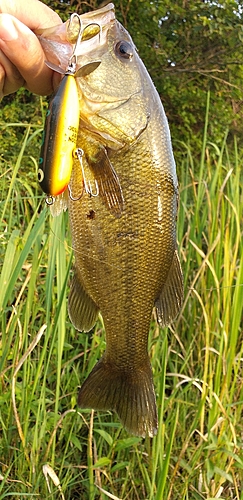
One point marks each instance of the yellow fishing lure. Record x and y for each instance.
(62, 120)
(61, 127)
(59, 138)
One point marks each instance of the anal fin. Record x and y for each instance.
(169, 302)
(127, 391)
(83, 311)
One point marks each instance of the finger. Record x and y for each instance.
(2, 79)
(10, 78)
(35, 14)
(22, 48)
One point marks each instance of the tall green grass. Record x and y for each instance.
(49, 449)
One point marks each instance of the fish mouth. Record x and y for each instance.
(58, 41)
(103, 14)
(95, 39)
(101, 17)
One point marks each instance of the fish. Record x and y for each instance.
(122, 202)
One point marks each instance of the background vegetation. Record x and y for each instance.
(48, 448)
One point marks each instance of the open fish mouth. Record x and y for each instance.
(94, 29)
(59, 40)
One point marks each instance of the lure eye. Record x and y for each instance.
(124, 50)
(40, 175)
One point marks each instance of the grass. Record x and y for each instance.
(49, 449)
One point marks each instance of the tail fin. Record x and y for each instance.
(130, 392)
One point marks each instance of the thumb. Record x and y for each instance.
(22, 58)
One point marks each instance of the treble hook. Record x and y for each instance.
(78, 153)
(90, 192)
(71, 195)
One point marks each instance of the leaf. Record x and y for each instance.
(126, 443)
(76, 441)
(107, 437)
(223, 474)
(102, 462)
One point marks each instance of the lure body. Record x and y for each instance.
(59, 138)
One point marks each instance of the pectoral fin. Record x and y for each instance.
(104, 174)
(170, 300)
(83, 312)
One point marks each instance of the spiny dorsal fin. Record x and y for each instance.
(169, 302)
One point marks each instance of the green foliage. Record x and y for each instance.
(15, 117)
(48, 447)
(189, 48)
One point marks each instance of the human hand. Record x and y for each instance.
(22, 59)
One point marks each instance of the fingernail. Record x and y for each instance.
(8, 30)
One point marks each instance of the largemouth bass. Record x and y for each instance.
(123, 198)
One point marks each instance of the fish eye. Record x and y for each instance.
(124, 50)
